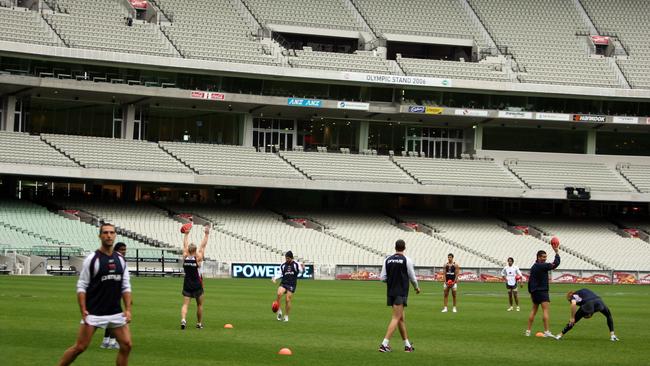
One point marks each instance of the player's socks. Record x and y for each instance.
(384, 342)
(407, 343)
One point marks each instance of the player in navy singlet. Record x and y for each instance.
(397, 271)
(103, 282)
(452, 271)
(193, 281)
(289, 271)
(109, 341)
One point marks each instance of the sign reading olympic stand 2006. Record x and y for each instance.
(242, 270)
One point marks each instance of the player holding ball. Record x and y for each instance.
(452, 272)
(538, 286)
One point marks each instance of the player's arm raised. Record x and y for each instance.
(186, 242)
(204, 242)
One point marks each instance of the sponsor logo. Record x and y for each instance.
(416, 109)
(242, 270)
(553, 116)
(471, 112)
(647, 121)
(207, 95)
(433, 110)
(588, 118)
(300, 102)
(632, 120)
(353, 105)
(515, 114)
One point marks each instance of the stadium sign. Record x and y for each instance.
(516, 114)
(471, 112)
(396, 79)
(553, 116)
(425, 109)
(632, 120)
(301, 102)
(243, 270)
(588, 118)
(357, 106)
(207, 95)
(417, 109)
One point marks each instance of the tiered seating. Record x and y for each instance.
(638, 175)
(230, 160)
(212, 30)
(457, 172)
(268, 228)
(362, 61)
(21, 25)
(437, 18)
(378, 232)
(18, 238)
(542, 36)
(101, 25)
(21, 148)
(487, 236)
(346, 167)
(306, 13)
(107, 153)
(560, 174)
(453, 69)
(597, 240)
(627, 19)
(49, 228)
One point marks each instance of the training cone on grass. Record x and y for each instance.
(285, 351)
(539, 334)
(228, 326)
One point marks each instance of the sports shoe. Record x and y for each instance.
(105, 345)
(199, 325)
(114, 344)
(383, 348)
(444, 310)
(454, 310)
(548, 334)
(510, 309)
(518, 309)
(183, 324)
(409, 349)
(279, 315)
(286, 318)
(558, 337)
(613, 338)
(527, 333)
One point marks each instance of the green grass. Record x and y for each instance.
(333, 323)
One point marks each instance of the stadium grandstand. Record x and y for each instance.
(331, 128)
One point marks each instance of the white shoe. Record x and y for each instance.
(518, 309)
(527, 333)
(444, 310)
(613, 338)
(114, 344)
(286, 318)
(105, 345)
(558, 337)
(548, 334)
(454, 310)
(279, 317)
(510, 309)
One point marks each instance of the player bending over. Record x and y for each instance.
(584, 303)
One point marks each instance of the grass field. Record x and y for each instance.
(333, 323)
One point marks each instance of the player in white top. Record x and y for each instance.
(511, 274)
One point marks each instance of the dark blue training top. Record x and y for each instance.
(583, 296)
(538, 280)
(290, 272)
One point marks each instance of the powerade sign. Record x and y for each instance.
(301, 102)
(416, 109)
(241, 270)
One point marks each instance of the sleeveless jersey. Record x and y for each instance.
(450, 271)
(104, 290)
(193, 280)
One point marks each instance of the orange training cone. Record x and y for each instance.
(228, 326)
(539, 334)
(285, 351)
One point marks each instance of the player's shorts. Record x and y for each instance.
(195, 294)
(513, 287)
(105, 321)
(454, 287)
(397, 300)
(539, 297)
(593, 306)
(290, 288)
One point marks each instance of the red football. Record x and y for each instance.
(555, 242)
(450, 283)
(275, 307)
(518, 277)
(185, 228)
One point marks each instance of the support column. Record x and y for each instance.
(591, 142)
(246, 132)
(8, 113)
(128, 121)
(478, 138)
(364, 127)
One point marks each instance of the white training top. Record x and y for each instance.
(510, 272)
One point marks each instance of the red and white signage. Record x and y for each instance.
(139, 4)
(207, 95)
(588, 118)
(600, 40)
